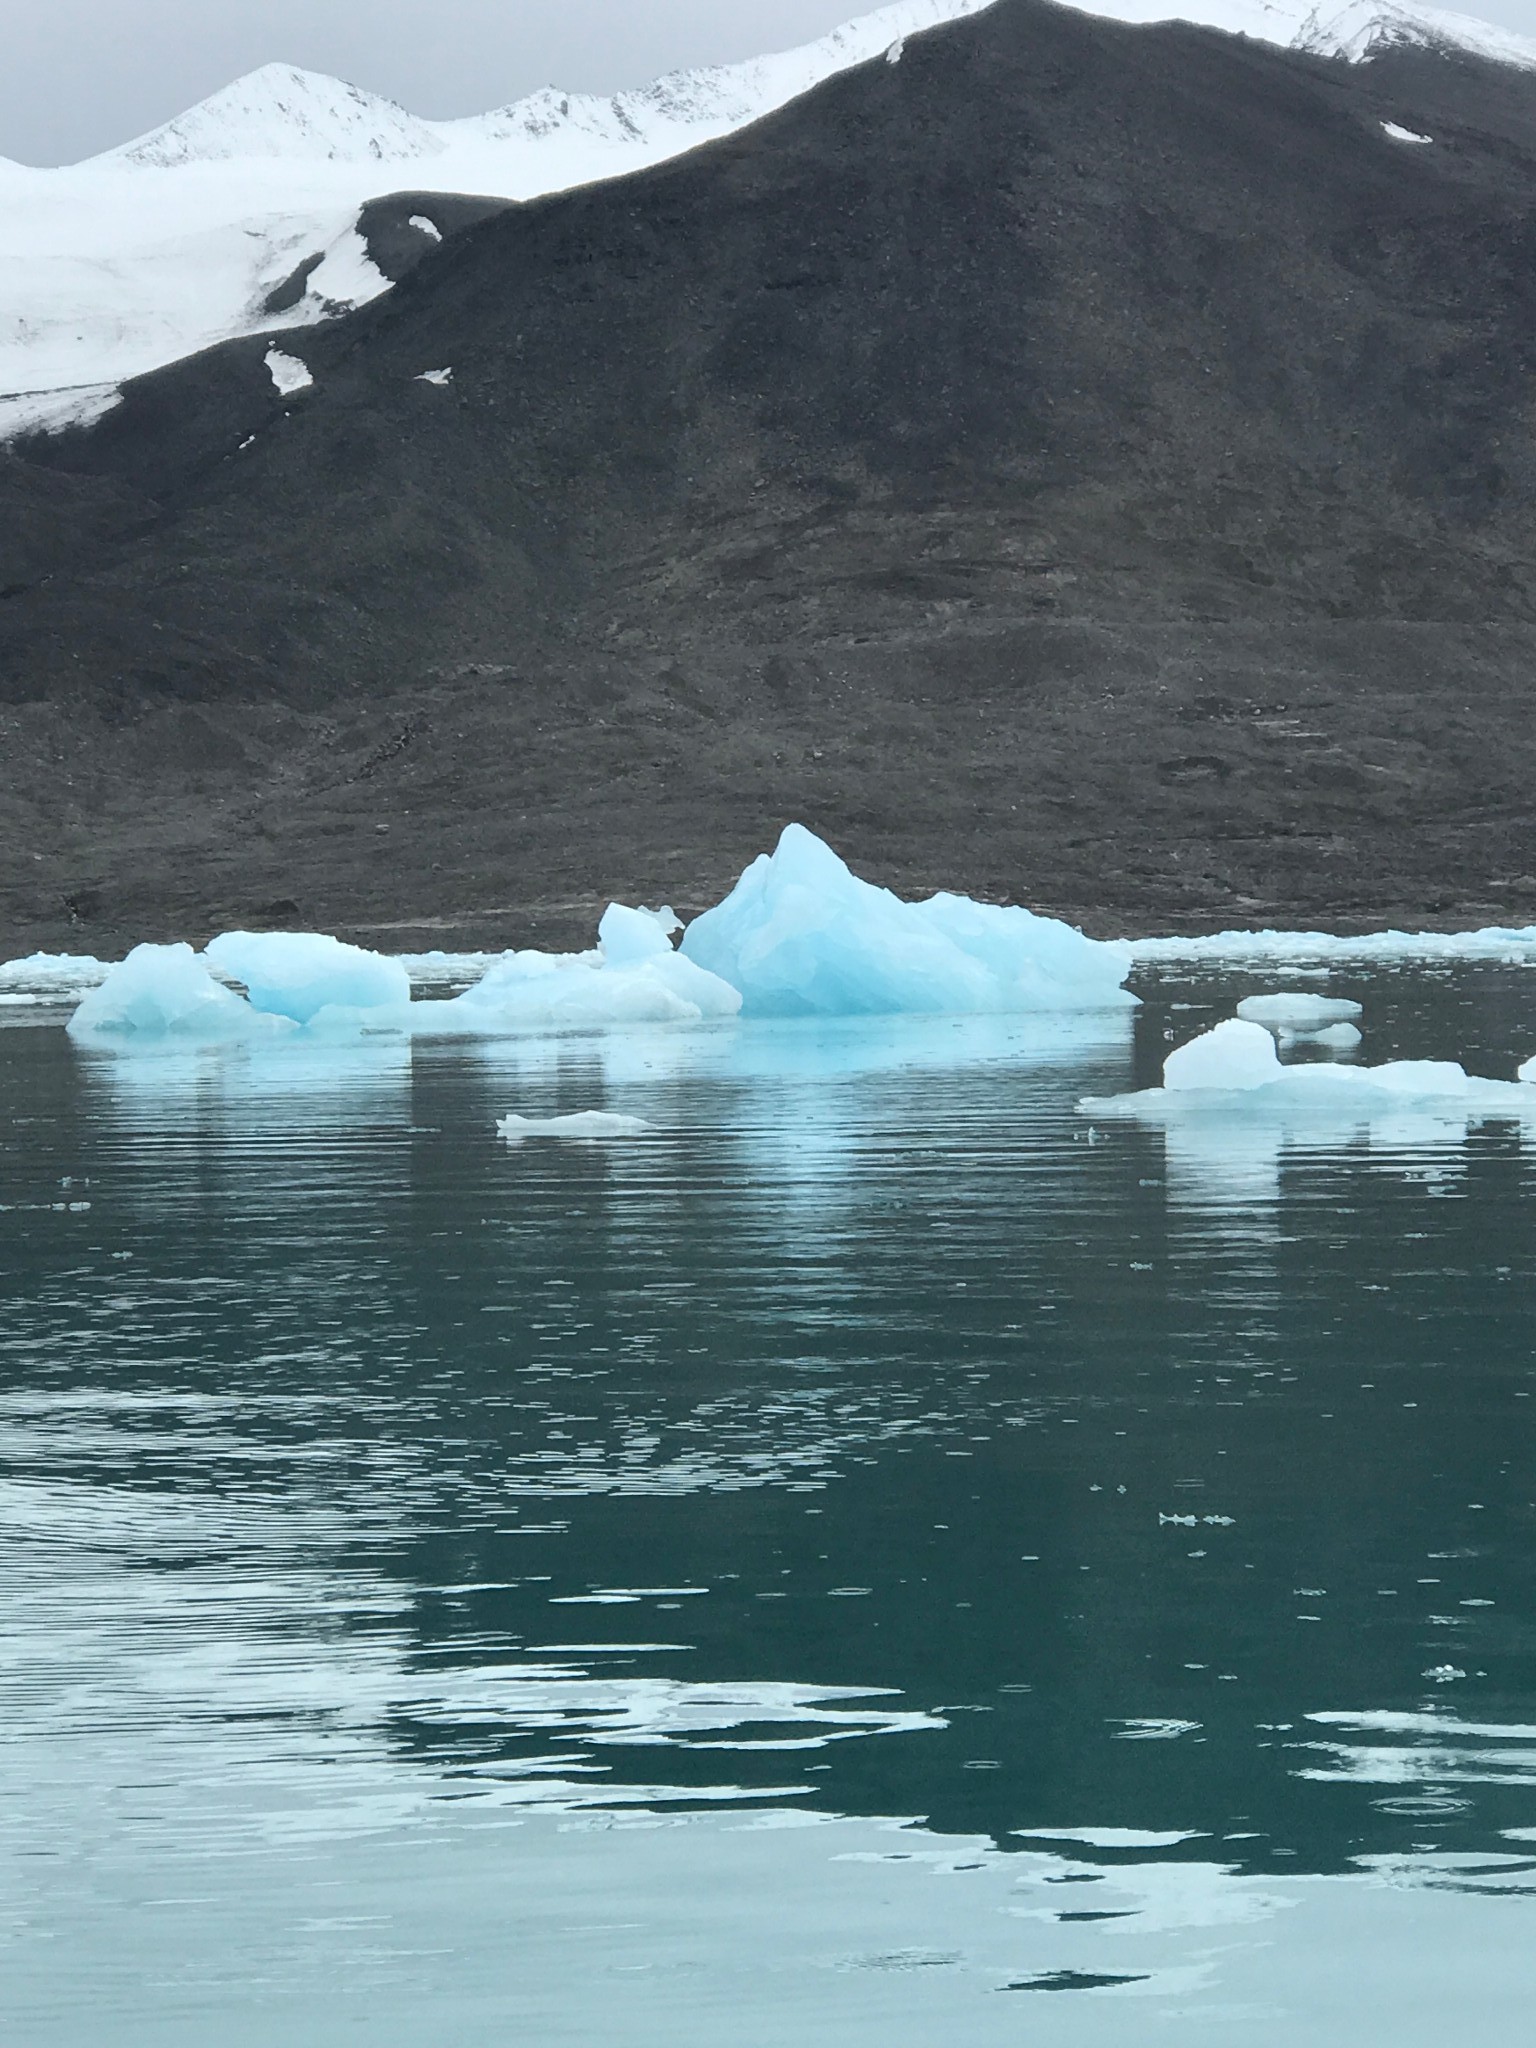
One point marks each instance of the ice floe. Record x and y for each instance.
(1512, 943)
(1298, 1014)
(1235, 1070)
(801, 935)
(587, 1124)
(45, 974)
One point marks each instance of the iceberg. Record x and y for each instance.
(314, 980)
(800, 935)
(297, 983)
(632, 976)
(166, 992)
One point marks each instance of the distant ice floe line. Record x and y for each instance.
(1515, 944)
(799, 936)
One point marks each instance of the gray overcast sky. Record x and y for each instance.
(81, 75)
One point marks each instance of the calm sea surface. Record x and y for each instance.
(882, 1560)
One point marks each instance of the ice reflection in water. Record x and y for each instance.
(872, 1561)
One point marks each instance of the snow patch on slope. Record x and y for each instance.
(288, 373)
(54, 412)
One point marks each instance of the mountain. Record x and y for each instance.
(181, 238)
(145, 254)
(283, 113)
(1061, 459)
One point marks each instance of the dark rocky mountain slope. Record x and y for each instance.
(1081, 463)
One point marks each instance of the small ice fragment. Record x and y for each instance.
(1236, 1054)
(437, 377)
(1336, 1037)
(423, 226)
(583, 1123)
(1299, 1013)
(1403, 134)
(288, 373)
(1527, 1072)
(897, 51)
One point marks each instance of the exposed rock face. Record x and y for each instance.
(1077, 461)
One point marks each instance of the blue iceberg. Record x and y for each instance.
(800, 935)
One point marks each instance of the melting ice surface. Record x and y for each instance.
(881, 1559)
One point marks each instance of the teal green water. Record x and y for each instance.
(881, 1560)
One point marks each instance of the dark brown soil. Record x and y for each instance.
(1078, 464)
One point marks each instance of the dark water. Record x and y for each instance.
(882, 1560)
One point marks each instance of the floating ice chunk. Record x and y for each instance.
(438, 377)
(1301, 1014)
(582, 1123)
(1403, 134)
(897, 51)
(426, 227)
(1336, 1037)
(800, 935)
(632, 977)
(288, 373)
(1235, 1055)
(1527, 1072)
(53, 973)
(166, 992)
(1235, 1069)
(315, 980)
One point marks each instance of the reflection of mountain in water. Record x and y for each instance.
(869, 1398)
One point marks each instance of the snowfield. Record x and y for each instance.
(128, 261)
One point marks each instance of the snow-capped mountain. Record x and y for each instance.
(181, 238)
(282, 112)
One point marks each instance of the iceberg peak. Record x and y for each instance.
(802, 935)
